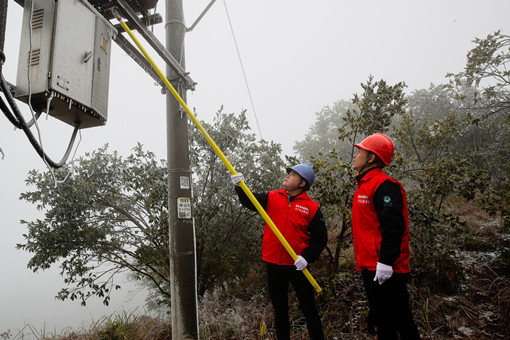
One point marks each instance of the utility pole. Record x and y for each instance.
(3, 24)
(182, 235)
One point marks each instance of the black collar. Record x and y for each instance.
(359, 177)
(291, 198)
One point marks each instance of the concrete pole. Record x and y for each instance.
(181, 228)
(3, 25)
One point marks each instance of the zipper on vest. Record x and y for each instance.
(283, 251)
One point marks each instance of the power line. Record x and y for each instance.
(242, 67)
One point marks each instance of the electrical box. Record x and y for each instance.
(64, 61)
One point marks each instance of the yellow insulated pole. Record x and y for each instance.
(220, 154)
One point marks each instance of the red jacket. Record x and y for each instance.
(292, 219)
(367, 229)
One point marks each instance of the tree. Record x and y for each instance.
(110, 215)
(487, 68)
(370, 112)
(432, 170)
(322, 137)
(484, 89)
(433, 148)
(378, 104)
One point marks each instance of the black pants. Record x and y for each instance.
(389, 307)
(278, 279)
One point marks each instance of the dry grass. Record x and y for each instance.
(121, 326)
(231, 318)
(480, 311)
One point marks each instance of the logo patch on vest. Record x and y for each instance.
(387, 202)
(302, 209)
(363, 199)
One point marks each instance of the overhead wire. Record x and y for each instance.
(242, 68)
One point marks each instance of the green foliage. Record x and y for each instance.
(487, 67)
(99, 222)
(473, 243)
(435, 162)
(114, 331)
(496, 201)
(376, 107)
(454, 142)
(433, 238)
(322, 136)
(333, 188)
(439, 270)
(128, 325)
(484, 89)
(428, 130)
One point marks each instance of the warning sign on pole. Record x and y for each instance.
(184, 182)
(184, 207)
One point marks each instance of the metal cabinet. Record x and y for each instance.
(64, 61)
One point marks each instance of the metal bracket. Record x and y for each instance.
(138, 58)
(201, 16)
(155, 44)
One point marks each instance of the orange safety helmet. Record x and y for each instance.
(380, 144)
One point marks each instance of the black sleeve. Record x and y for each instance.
(262, 198)
(318, 237)
(388, 202)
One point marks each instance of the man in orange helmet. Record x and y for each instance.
(380, 230)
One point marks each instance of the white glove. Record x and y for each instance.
(237, 178)
(382, 272)
(301, 263)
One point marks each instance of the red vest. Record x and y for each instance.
(366, 229)
(292, 220)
